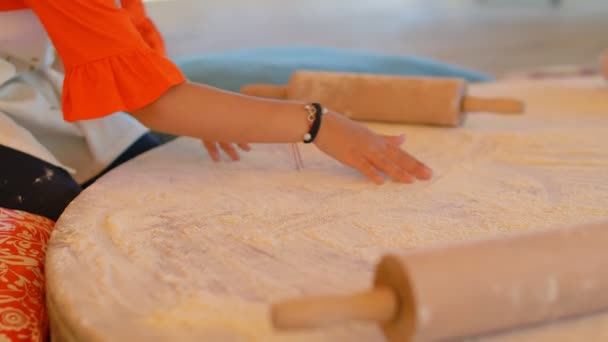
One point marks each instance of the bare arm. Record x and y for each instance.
(205, 112)
(98, 30)
(208, 113)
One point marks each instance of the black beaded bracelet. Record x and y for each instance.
(315, 112)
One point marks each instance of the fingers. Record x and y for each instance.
(244, 147)
(369, 171)
(398, 164)
(408, 163)
(214, 153)
(395, 140)
(230, 150)
(381, 162)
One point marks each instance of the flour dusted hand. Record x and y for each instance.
(358, 147)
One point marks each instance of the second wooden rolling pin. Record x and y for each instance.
(395, 99)
(473, 288)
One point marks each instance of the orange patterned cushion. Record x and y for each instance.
(23, 241)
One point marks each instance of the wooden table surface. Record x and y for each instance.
(172, 246)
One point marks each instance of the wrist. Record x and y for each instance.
(329, 120)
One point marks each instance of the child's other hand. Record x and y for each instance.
(358, 147)
(213, 148)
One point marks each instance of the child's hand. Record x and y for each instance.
(228, 148)
(358, 147)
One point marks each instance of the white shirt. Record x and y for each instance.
(30, 106)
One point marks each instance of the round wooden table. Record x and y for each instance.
(171, 246)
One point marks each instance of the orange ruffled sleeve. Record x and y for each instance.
(109, 66)
(10, 5)
(144, 25)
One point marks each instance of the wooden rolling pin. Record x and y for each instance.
(395, 99)
(474, 288)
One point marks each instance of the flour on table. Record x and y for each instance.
(173, 246)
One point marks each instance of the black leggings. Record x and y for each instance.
(33, 185)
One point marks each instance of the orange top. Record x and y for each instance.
(114, 58)
(8, 5)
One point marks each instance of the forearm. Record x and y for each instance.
(208, 113)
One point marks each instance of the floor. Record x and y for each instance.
(494, 36)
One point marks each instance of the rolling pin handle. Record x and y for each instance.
(494, 105)
(377, 305)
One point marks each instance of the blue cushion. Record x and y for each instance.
(233, 69)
